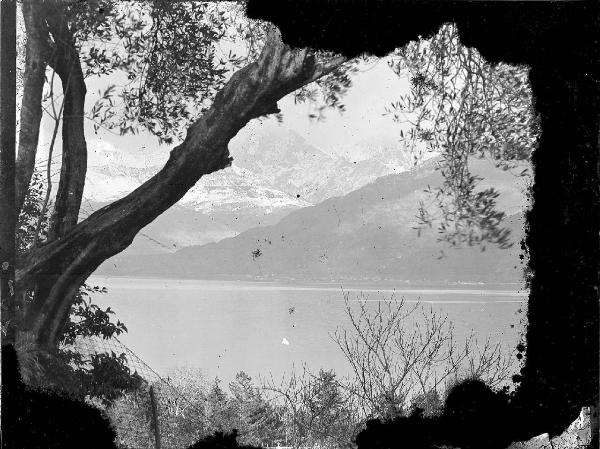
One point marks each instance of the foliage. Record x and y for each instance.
(31, 211)
(169, 53)
(328, 92)
(33, 418)
(428, 404)
(191, 408)
(317, 409)
(102, 375)
(182, 409)
(109, 377)
(131, 417)
(220, 440)
(473, 416)
(404, 357)
(176, 56)
(258, 421)
(175, 67)
(460, 106)
(89, 320)
(173, 58)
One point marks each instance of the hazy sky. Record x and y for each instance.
(353, 133)
(363, 122)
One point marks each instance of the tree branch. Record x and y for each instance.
(42, 216)
(250, 93)
(328, 66)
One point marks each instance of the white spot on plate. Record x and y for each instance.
(285, 341)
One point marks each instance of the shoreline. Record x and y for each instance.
(343, 286)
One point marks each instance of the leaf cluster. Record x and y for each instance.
(105, 376)
(170, 56)
(89, 320)
(327, 93)
(459, 106)
(27, 224)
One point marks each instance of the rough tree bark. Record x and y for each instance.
(68, 260)
(74, 149)
(37, 51)
(7, 163)
(61, 54)
(64, 59)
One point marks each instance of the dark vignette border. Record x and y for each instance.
(560, 41)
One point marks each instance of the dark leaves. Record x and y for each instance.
(87, 319)
(166, 50)
(327, 92)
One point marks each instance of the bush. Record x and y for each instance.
(33, 418)
(220, 440)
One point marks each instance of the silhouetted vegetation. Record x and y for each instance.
(34, 418)
(103, 375)
(474, 417)
(220, 440)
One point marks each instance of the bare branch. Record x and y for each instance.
(398, 356)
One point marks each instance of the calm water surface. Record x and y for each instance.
(223, 327)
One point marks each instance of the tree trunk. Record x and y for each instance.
(8, 217)
(74, 149)
(36, 53)
(68, 260)
(64, 59)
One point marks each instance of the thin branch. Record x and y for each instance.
(49, 163)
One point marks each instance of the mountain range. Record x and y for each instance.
(275, 171)
(368, 233)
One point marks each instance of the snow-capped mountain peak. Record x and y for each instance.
(275, 171)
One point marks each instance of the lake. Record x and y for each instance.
(223, 327)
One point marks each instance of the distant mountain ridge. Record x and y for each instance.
(285, 161)
(275, 171)
(367, 234)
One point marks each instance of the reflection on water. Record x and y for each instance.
(224, 327)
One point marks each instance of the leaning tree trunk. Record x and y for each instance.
(65, 262)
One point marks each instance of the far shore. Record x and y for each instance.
(341, 285)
